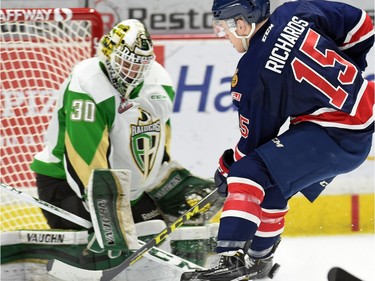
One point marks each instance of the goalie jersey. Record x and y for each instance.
(92, 127)
(315, 65)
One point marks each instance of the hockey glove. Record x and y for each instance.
(221, 174)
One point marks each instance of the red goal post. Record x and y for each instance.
(38, 49)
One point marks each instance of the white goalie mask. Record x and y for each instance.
(128, 54)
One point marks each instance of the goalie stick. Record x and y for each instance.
(109, 274)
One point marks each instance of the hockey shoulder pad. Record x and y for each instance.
(110, 210)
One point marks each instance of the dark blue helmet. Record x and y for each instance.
(253, 11)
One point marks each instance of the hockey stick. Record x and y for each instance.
(47, 206)
(109, 274)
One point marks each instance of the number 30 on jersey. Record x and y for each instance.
(83, 110)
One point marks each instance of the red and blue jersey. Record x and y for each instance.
(305, 64)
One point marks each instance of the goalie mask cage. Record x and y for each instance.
(38, 49)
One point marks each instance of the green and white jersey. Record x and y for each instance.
(92, 127)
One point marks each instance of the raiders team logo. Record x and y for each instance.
(145, 138)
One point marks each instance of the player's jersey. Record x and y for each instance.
(305, 64)
(93, 128)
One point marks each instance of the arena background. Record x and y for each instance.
(204, 123)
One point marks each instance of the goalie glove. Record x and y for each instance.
(221, 174)
(176, 190)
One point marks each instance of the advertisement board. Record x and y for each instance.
(160, 16)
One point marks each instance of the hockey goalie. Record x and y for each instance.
(106, 159)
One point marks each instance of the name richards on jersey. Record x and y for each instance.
(284, 44)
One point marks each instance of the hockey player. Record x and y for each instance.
(113, 112)
(304, 63)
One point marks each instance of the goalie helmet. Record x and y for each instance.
(128, 53)
(253, 11)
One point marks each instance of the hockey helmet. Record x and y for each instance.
(253, 11)
(128, 53)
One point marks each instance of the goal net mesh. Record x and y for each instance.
(37, 55)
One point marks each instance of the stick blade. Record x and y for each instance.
(339, 274)
(65, 271)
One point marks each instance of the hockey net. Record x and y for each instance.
(39, 47)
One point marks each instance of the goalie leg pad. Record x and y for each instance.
(146, 230)
(110, 210)
(195, 243)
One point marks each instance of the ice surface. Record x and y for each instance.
(310, 258)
